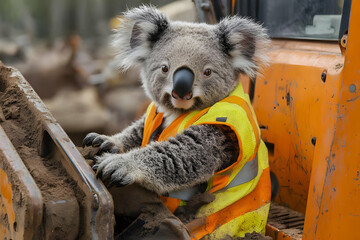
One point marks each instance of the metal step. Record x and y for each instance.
(284, 223)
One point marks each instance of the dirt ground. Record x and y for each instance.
(24, 129)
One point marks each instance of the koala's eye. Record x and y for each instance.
(164, 68)
(207, 72)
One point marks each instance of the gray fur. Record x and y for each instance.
(235, 45)
(122, 142)
(148, 39)
(186, 160)
(131, 137)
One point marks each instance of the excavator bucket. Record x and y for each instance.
(47, 190)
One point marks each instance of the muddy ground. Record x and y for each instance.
(24, 129)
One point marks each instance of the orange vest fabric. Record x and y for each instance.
(248, 196)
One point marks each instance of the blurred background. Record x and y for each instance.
(61, 47)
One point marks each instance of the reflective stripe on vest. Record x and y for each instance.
(249, 209)
(185, 194)
(247, 173)
(245, 185)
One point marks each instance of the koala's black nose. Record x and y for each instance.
(182, 83)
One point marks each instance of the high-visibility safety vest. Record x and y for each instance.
(242, 191)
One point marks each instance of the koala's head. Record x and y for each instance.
(188, 66)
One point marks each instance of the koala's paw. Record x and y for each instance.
(105, 143)
(115, 170)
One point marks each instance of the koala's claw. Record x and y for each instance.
(98, 173)
(88, 140)
(98, 141)
(103, 142)
(95, 167)
(113, 171)
(126, 180)
(114, 150)
(108, 146)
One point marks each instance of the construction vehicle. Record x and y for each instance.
(307, 105)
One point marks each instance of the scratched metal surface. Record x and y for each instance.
(335, 211)
(295, 105)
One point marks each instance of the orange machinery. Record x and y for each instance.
(308, 108)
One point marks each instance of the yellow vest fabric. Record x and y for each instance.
(242, 191)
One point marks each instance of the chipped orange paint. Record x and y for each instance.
(292, 103)
(6, 228)
(335, 201)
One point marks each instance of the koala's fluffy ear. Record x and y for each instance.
(246, 42)
(138, 30)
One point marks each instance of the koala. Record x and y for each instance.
(184, 67)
